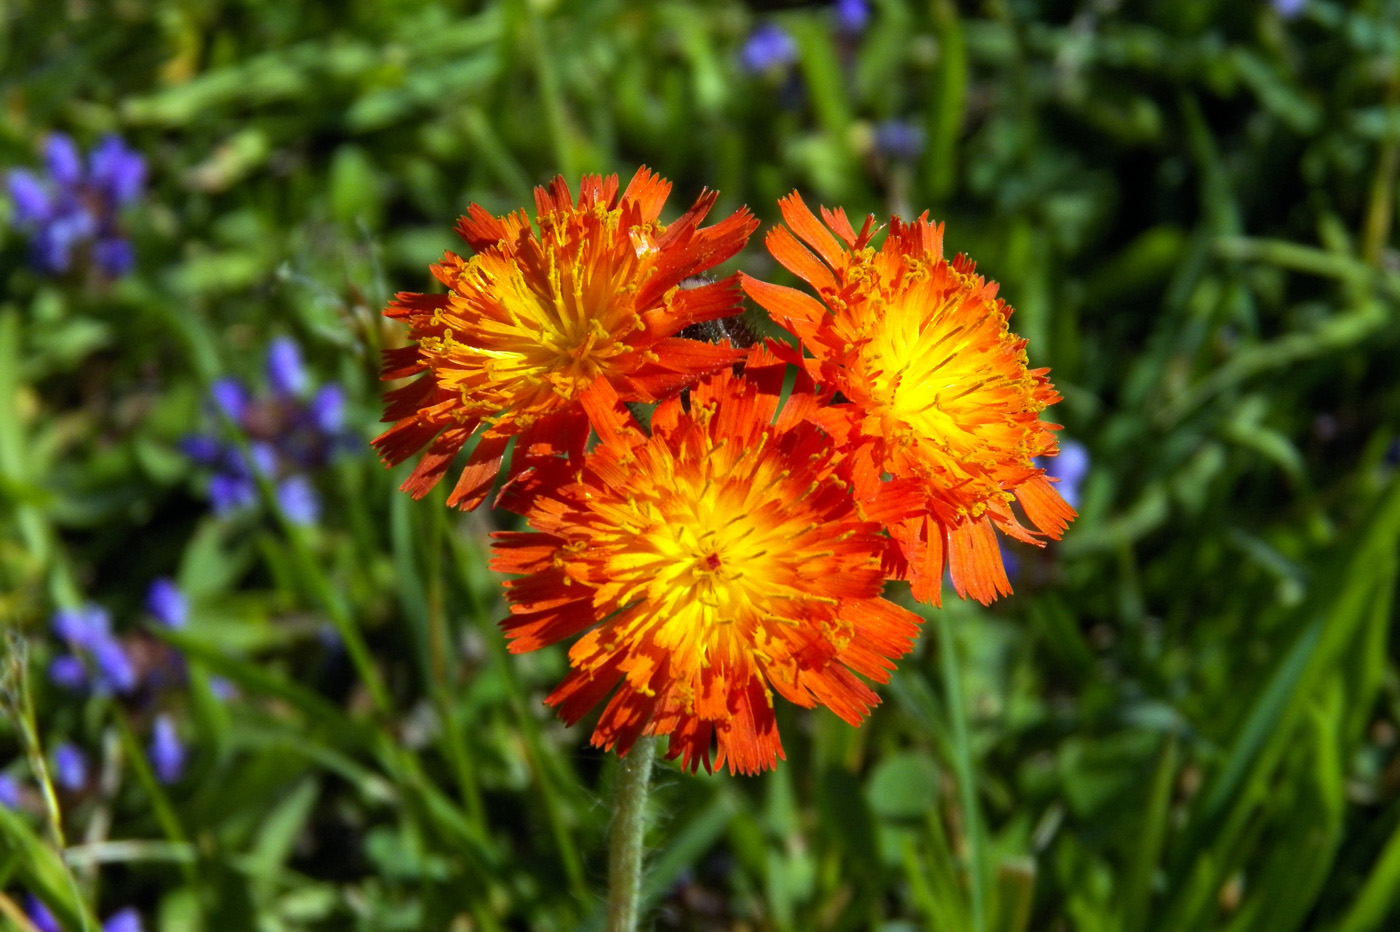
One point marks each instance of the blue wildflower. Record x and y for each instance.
(39, 915)
(286, 436)
(1070, 467)
(167, 753)
(327, 409)
(82, 627)
(10, 794)
(114, 670)
(852, 16)
(167, 604)
(125, 920)
(769, 48)
(285, 372)
(95, 652)
(898, 140)
(230, 397)
(72, 212)
(298, 500)
(68, 671)
(1289, 9)
(70, 767)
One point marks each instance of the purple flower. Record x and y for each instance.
(167, 753)
(88, 631)
(68, 671)
(262, 459)
(114, 256)
(285, 436)
(70, 767)
(82, 627)
(852, 16)
(223, 689)
(125, 920)
(114, 668)
(1289, 9)
(285, 372)
(768, 48)
(9, 792)
(32, 204)
(229, 493)
(166, 603)
(230, 397)
(117, 170)
(1070, 467)
(898, 140)
(39, 914)
(72, 213)
(327, 409)
(203, 449)
(62, 159)
(298, 500)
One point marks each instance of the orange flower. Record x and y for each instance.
(933, 387)
(535, 318)
(707, 566)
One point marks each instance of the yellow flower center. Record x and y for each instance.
(940, 368)
(703, 551)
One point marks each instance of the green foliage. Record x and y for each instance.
(1186, 718)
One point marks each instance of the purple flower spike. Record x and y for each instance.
(118, 170)
(32, 203)
(39, 915)
(768, 48)
(285, 372)
(68, 672)
(167, 604)
(167, 753)
(298, 500)
(125, 920)
(9, 792)
(70, 767)
(64, 163)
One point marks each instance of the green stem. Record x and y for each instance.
(628, 833)
(964, 773)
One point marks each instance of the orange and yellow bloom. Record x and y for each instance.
(536, 317)
(735, 550)
(932, 386)
(707, 566)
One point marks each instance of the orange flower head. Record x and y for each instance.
(707, 566)
(535, 317)
(933, 385)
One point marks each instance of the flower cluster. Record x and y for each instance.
(283, 435)
(737, 545)
(71, 213)
(137, 668)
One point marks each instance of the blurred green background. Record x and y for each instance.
(1184, 719)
